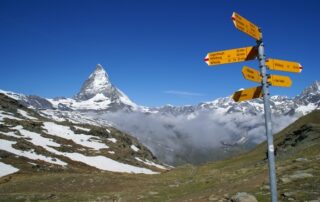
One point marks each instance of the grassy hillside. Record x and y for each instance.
(298, 174)
(34, 144)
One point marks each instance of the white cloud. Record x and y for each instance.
(172, 137)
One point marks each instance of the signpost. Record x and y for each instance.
(251, 74)
(280, 81)
(246, 26)
(283, 65)
(247, 94)
(231, 56)
(250, 53)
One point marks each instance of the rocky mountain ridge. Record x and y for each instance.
(98, 93)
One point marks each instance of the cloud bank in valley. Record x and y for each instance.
(170, 136)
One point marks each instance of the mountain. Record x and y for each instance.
(98, 90)
(246, 175)
(176, 134)
(31, 143)
(97, 93)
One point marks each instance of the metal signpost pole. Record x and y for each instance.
(267, 115)
(250, 53)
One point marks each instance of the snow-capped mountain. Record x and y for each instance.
(174, 132)
(309, 99)
(302, 104)
(97, 93)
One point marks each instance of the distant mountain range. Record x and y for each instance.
(207, 131)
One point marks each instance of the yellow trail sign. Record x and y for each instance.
(283, 65)
(246, 26)
(281, 81)
(231, 56)
(251, 74)
(247, 94)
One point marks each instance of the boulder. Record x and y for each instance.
(243, 197)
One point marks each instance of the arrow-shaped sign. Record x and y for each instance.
(247, 94)
(251, 74)
(231, 56)
(246, 26)
(280, 81)
(283, 65)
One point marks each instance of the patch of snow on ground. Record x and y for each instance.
(36, 138)
(111, 152)
(150, 163)
(108, 164)
(25, 114)
(10, 133)
(6, 169)
(108, 131)
(51, 115)
(6, 145)
(114, 140)
(8, 115)
(134, 148)
(81, 128)
(66, 133)
(99, 162)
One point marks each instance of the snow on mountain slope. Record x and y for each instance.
(98, 82)
(66, 133)
(97, 93)
(7, 145)
(6, 169)
(98, 89)
(27, 139)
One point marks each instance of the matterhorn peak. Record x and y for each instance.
(98, 90)
(98, 82)
(100, 75)
(99, 68)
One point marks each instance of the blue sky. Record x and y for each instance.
(152, 50)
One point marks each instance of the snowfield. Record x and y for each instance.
(36, 138)
(114, 140)
(150, 163)
(6, 169)
(81, 128)
(8, 116)
(134, 148)
(104, 163)
(6, 145)
(66, 133)
(51, 128)
(25, 114)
